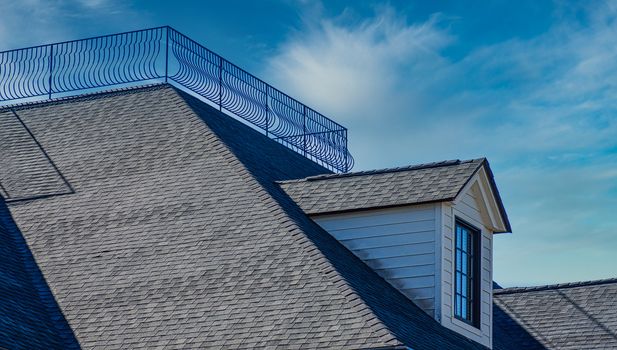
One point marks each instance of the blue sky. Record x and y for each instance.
(531, 85)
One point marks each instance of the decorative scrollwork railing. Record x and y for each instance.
(164, 54)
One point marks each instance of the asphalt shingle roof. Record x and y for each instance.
(579, 315)
(382, 188)
(416, 184)
(155, 221)
(29, 316)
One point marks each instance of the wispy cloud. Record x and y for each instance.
(344, 68)
(542, 109)
(34, 22)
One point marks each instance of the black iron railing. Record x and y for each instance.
(164, 54)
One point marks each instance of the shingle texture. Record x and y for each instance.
(26, 170)
(29, 316)
(568, 316)
(384, 188)
(174, 234)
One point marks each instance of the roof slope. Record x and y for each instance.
(382, 188)
(176, 236)
(565, 316)
(423, 183)
(29, 316)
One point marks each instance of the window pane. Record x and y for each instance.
(458, 237)
(458, 260)
(458, 283)
(464, 279)
(458, 305)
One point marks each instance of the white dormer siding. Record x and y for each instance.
(412, 247)
(399, 244)
(470, 207)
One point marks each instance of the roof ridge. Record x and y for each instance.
(381, 330)
(512, 290)
(420, 166)
(86, 95)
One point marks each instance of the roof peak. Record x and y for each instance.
(85, 95)
(512, 290)
(412, 167)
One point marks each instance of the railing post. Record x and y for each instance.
(267, 112)
(346, 167)
(51, 68)
(304, 128)
(220, 83)
(166, 52)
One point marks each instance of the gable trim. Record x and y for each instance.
(490, 186)
(479, 185)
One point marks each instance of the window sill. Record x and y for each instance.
(467, 326)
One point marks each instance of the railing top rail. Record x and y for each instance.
(87, 39)
(164, 53)
(253, 76)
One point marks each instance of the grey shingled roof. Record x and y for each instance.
(29, 316)
(382, 188)
(579, 315)
(423, 183)
(147, 219)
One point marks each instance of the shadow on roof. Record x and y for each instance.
(509, 334)
(269, 162)
(31, 174)
(30, 318)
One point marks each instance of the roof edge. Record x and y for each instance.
(491, 179)
(86, 95)
(502, 208)
(378, 207)
(515, 290)
(384, 170)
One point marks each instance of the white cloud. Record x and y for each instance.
(338, 66)
(542, 109)
(22, 22)
(33, 22)
(550, 93)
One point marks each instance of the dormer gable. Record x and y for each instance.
(481, 187)
(403, 223)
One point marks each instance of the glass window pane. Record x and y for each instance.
(458, 237)
(458, 260)
(458, 282)
(464, 275)
(458, 305)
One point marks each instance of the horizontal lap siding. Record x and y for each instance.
(467, 209)
(399, 244)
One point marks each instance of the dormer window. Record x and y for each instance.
(437, 251)
(466, 281)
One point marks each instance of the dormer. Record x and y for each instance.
(426, 229)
